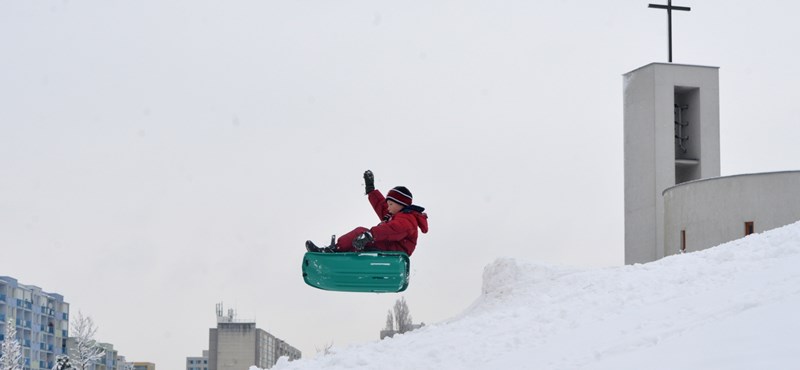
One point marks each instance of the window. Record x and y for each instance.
(749, 228)
(683, 241)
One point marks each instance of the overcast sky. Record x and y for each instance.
(157, 158)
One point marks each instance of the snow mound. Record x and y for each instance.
(507, 280)
(506, 275)
(729, 307)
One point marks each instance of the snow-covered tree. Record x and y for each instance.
(85, 350)
(402, 316)
(11, 351)
(62, 363)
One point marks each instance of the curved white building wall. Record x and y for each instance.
(713, 211)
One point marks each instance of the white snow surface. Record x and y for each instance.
(735, 306)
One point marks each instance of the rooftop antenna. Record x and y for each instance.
(669, 7)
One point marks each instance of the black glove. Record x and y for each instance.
(369, 181)
(361, 241)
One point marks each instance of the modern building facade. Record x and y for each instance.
(237, 345)
(197, 363)
(42, 321)
(675, 199)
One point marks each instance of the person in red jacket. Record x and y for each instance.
(400, 219)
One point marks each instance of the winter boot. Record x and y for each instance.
(311, 247)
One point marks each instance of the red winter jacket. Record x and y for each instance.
(397, 232)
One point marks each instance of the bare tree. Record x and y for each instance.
(11, 351)
(326, 349)
(402, 316)
(85, 352)
(389, 321)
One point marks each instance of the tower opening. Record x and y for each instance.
(687, 133)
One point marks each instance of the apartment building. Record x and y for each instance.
(41, 319)
(237, 345)
(197, 363)
(144, 366)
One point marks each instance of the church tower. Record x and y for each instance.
(671, 125)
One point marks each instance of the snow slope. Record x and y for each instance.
(734, 306)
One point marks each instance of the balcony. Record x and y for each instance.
(47, 311)
(45, 328)
(25, 304)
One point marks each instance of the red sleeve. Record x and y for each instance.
(378, 203)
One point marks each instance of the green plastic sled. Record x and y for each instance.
(376, 272)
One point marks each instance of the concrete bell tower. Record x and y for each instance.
(671, 124)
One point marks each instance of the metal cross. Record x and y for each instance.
(669, 9)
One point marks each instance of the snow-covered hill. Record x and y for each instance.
(735, 306)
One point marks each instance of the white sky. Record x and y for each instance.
(159, 157)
